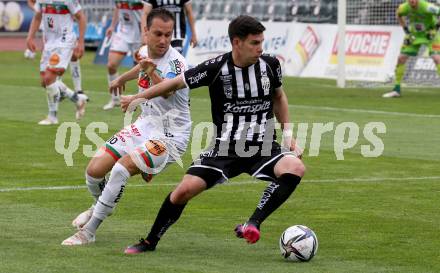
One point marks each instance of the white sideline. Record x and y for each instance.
(325, 108)
(364, 111)
(374, 179)
(338, 109)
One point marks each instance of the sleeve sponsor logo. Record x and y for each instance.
(195, 79)
(176, 66)
(279, 74)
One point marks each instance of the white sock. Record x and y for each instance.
(75, 71)
(110, 196)
(92, 225)
(95, 185)
(53, 96)
(66, 91)
(110, 78)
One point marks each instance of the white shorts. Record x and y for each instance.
(134, 139)
(120, 44)
(58, 57)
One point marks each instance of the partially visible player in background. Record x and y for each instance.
(29, 54)
(182, 10)
(60, 42)
(173, 128)
(419, 20)
(75, 69)
(127, 38)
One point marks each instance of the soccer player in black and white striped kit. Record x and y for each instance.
(245, 88)
(182, 10)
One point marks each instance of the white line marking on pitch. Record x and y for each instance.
(365, 111)
(55, 188)
(325, 108)
(337, 109)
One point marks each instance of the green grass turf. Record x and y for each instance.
(370, 214)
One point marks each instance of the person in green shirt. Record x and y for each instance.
(419, 21)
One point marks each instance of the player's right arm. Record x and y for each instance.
(35, 25)
(118, 85)
(157, 90)
(192, 24)
(112, 26)
(203, 74)
(31, 5)
(82, 24)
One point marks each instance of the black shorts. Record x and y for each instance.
(218, 169)
(177, 44)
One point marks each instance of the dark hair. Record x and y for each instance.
(161, 13)
(244, 25)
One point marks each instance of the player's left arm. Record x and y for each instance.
(281, 105)
(281, 111)
(81, 19)
(31, 5)
(35, 24)
(192, 23)
(434, 11)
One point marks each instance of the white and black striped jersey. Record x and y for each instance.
(241, 98)
(177, 8)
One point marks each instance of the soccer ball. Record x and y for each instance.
(298, 243)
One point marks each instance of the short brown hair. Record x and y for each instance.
(244, 25)
(161, 13)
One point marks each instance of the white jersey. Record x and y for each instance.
(129, 24)
(57, 22)
(173, 110)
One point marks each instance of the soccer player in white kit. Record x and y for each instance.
(127, 38)
(75, 69)
(60, 42)
(158, 137)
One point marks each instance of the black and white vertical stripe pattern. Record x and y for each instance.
(177, 8)
(246, 84)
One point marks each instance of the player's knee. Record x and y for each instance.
(48, 80)
(402, 59)
(93, 169)
(181, 195)
(50, 76)
(112, 68)
(299, 168)
(291, 165)
(187, 189)
(129, 164)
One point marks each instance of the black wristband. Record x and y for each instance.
(406, 29)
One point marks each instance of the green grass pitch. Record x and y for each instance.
(377, 214)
